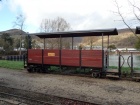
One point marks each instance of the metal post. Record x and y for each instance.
(102, 52)
(119, 64)
(132, 71)
(44, 43)
(42, 60)
(108, 42)
(72, 43)
(26, 59)
(43, 56)
(60, 43)
(60, 48)
(108, 53)
(80, 58)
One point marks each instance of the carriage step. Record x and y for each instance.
(136, 71)
(136, 78)
(112, 71)
(112, 76)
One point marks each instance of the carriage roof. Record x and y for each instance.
(81, 33)
(137, 31)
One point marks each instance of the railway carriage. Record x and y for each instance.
(96, 60)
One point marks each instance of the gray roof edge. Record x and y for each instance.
(137, 31)
(78, 33)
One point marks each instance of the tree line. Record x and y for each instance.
(8, 43)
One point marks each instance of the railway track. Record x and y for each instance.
(19, 100)
(13, 96)
(90, 76)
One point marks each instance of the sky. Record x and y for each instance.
(80, 14)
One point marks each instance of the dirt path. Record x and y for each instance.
(102, 91)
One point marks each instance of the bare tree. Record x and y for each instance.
(136, 11)
(58, 24)
(123, 18)
(20, 24)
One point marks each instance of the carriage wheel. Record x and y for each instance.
(30, 70)
(95, 74)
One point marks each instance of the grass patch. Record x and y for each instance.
(126, 70)
(123, 68)
(18, 65)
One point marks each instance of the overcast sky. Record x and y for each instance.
(81, 14)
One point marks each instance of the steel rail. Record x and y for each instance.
(25, 98)
(43, 102)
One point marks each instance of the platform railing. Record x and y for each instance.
(116, 72)
(120, 64)
(130, 65)
(134, 73)
(14, 57)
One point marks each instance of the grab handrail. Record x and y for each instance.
(123, 61)
(128, 61)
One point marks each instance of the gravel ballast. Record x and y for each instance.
(100, 91)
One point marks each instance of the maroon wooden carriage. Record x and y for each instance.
(97, 60)
(89, 58)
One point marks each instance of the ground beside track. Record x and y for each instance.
(101, 91)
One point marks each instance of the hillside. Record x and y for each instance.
(13, 32)
(125, 38)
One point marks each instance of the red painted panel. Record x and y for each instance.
(35, 56)
(51, 57)
(70, 57)
(92, 58)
